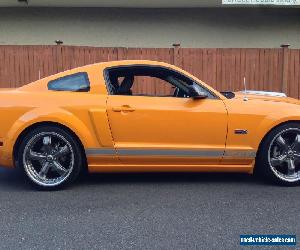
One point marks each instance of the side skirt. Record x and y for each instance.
(171, 168)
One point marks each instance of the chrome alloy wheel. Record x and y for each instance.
(284, 155)
(48, 159)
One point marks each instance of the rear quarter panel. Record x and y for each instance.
(33, 103)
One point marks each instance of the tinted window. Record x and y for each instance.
(155, 81)
(76, 82)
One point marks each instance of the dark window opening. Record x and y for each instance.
(152, 81)
(78, 82)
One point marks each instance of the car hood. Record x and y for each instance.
(266, 97)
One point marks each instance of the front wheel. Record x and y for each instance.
(279, 155)
(50, 157)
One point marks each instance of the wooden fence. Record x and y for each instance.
(224, 69)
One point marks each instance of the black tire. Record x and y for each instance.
(263, 168)
(74, 150)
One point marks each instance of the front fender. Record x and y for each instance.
(271, 121)
(258, 118)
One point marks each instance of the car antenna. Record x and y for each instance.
(245, 91)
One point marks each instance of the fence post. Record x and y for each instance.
(122, 53)
(285, 67)
(176, 56)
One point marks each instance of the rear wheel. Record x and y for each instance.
(50, 157)
(279, 155)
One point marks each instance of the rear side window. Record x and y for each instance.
(77, 82)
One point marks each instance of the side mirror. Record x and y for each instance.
(196, 92)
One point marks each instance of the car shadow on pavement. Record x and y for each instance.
(11, 179)
(132, 178)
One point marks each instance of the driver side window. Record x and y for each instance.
(152, 81)
(151, 86)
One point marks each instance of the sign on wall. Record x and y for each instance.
(262, 2)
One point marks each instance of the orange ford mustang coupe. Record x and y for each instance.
(144, 116)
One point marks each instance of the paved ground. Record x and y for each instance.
(145, 211)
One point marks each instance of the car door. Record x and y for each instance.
(151, 129)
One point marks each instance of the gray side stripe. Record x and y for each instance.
(240, 154)
(172, 152)
(102, 151)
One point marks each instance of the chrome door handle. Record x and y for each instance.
(124, 108)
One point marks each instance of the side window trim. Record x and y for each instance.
(108, 84)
